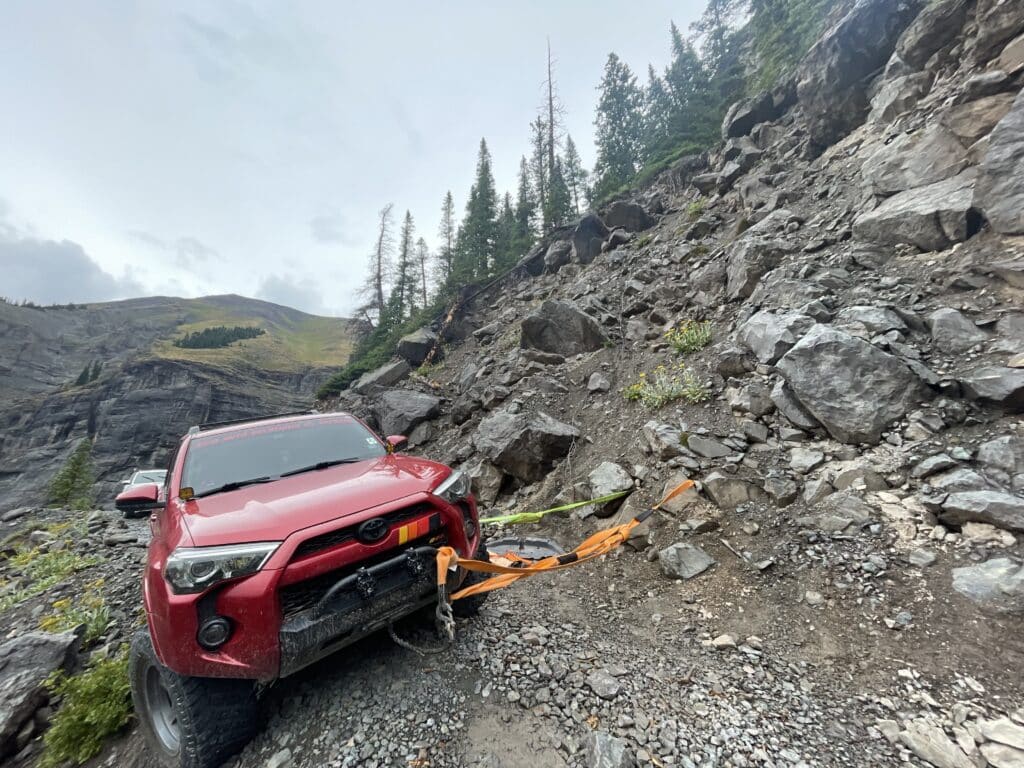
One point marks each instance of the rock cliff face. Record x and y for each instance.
(146, 392)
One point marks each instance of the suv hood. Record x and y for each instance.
(273, 511)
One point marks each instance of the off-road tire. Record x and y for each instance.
(470, 606)
(215, 717)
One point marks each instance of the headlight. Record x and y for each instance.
(456, 487)
(194, 569)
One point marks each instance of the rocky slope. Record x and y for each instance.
(847, 587)
(147, 392)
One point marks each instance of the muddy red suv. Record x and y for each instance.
(275, 543)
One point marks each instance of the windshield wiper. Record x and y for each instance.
(320, 465)
(234, 485)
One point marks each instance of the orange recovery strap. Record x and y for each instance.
(600, 543)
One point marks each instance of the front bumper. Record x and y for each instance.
(358, 605)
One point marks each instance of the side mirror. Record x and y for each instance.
(396, 442)
(138, 498)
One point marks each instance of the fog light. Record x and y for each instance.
(214, 633)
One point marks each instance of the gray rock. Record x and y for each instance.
(859, 477)
(803, 460)
(832, 76)
(399, 411)
(914, 160)
(684, 561)
(25, 663)
(605, 479)
(898, 95)
(744, 115)
(587, 239)
(783, 490)
(932, 217)
(1003, 510)
(559, 327)
(603, 684)
(769, 335)
(974, 120)
(1000, 189)
(953, 332)
(934, 28)
(1004, 731)
(997, 583)
(707, 447)
(750, 258)
(664, 440)
(629, 215)
(930, 743)
(1003, 459)
(557, 255)
(922, 558)
(598, 382)
(387, 375)
(996, 385)
(729, 491)
(816, 490)
(874, 320)
(937, 463)
(848, 504)
(486, 480)
(986, 84)
(753, 398)
(1002, 756)
(415, 346)
(681, 501)
(602, 750)
(280, 759)
(524, 445)
(854, 389)
(959, 479)
(791, 408)
(998, 21)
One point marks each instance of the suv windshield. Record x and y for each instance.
(262, 453)
(150, 476)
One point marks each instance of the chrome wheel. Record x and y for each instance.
(160, 711)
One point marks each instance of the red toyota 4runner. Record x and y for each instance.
(275, 543)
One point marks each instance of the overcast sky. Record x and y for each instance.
(229, 147)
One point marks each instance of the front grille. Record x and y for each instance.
(303, 595)
(348, 533)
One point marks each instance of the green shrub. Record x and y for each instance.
(40, 569)
(88, 609)
(73, 485)
(689, 336)
(696, 208)
(665, 386)
(94, 705)
(216, 337)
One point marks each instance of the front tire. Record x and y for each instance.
(188, 722)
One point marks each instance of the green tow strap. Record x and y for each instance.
(533, 517)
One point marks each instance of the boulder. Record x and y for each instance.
(932, 217)
(853, 388)
(783, 398)
(975, 119)
(998, 22)
(999, 193)
(557, 255)
(872, 320)
(415, 346)
(708, 447)
(996, 385)
(524, 445)
(750, 258)
(629, 215)
(744, 115)
(25, 663)
(387, 375)
(605, 479)
(1003, 459)
(753, 398)
(832, 77)
(588, 238)
(914, 160)
(486, 480)
(560, 328)
(997, 584)
(898, 95)
(399, 411)
(1011, 60)
(954, 332)
(770, 335)
(533, 262)
(682, 500)
(598, 382)
(602, 750)
(1003, 510)
(987, 83)
(783, 490)
(729, 491)
(934, 28)
(684, 561)
(931, 744)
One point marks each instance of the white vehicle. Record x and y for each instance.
(144, 476)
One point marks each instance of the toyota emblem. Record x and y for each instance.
(372, 530)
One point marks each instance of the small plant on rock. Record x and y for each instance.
(663, 386)
(694, 391)
(689, 336)
(696, 208)
(94, 705)
(89, 611)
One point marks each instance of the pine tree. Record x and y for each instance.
(73, 485)
(559, 199)
(446, 233)
(477, 234)
(97, 368)
(619, 126)
(423, 261)
(525, 211)
(83, 377)
(657, 113)
(539, 171)
(375, 306)
(693, 117)
(506, 253)
(402, 302)
(575, 174)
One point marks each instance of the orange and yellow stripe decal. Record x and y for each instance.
(421, 527)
